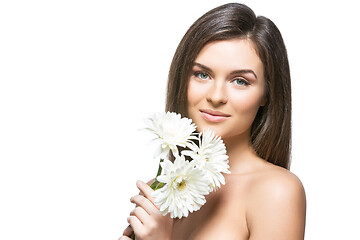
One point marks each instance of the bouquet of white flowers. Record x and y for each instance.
(180, 186)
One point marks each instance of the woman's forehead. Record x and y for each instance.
(230, 55)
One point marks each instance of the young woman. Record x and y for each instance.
(230, 73)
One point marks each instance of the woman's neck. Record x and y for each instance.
(242, 156)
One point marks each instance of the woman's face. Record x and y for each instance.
(226, 88)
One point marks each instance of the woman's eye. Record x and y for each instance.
(240, 82)
(201, 75)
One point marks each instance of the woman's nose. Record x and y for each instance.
(217, 93)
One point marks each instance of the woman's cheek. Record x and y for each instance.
(246, 103)
(195, 92)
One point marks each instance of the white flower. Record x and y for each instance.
(184, 190)
(171, 131)
(211, 157)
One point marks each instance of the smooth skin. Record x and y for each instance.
(145, 219)
(259, 200)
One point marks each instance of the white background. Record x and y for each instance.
(77, 78)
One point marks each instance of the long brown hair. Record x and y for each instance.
(271, 129)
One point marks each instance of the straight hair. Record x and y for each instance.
(271, 129)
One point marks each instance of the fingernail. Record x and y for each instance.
(139, 183)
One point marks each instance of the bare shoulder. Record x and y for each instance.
(276, 198)
(276, 183)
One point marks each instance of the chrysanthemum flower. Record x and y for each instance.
(184, 190)
(211, 156)
(171, 131)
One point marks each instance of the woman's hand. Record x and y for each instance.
(145, 220)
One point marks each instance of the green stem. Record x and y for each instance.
(156, 184)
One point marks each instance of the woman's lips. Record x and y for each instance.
(213, 116)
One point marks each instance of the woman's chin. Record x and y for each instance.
(216, 130)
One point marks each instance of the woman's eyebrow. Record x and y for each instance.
(203, 67)
(242, 71)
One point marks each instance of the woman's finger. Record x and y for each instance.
(135, 223)
(146, 190)
(128, 231)
(141, 214)
(145, 203)
(124, 238)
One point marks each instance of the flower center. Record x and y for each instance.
(180, 182)
(182, 185)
